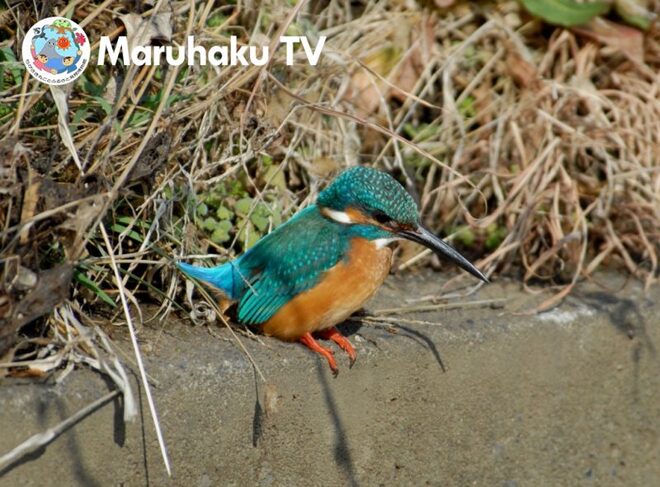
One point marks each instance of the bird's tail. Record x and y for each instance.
(226, 277)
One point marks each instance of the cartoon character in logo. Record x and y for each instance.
(56, 48)
(40, 60)
(49, 56)
(62, 26)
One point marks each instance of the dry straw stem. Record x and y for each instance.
(435, 307)
(41, 440)
(138, 355)
(77, 344)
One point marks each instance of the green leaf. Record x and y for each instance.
(202, 209)
(276, 214)
(266, 159)
(496, 236)
(248, 235)
(79, 116)
(275, 176)
(225, 225)
(567, 13)
(421, 132)
(220, 236)
(635, 13)
(259, 221)
(4, 109)
(11, 65)
(88, 86)
(104, 104)
(216, 20)
(242, 206)
(213, 199)
(127, 220)
(89, 284)
(294, 29)
(209, 224)
(139, 117)
(237, 189)
(467, 108)
(116, 227)
(8, 55)
(117, 127)
(223, 213)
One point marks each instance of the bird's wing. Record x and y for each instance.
(287, 262)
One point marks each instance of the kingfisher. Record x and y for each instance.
(312, 272)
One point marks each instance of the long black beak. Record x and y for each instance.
(425, 237)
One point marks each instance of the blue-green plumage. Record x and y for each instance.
(288, 261)
(226, 277)
(284, 263)
(295, 256)
(372, 191)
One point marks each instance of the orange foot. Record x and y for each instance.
(334, 335)
(313, 345)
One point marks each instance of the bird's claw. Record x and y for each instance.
(343, 343)
(313, 345)
(334, 335)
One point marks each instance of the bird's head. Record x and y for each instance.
(372, 198)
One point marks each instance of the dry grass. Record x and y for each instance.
(535, 147)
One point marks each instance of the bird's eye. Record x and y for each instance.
(381, 217)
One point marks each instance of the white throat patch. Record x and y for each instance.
(384, 242)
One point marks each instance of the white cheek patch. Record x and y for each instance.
(383, 242)
(338, 216)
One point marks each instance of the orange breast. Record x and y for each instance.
(342, 291)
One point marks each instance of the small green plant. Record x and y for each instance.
(467, 108)
(465, 236)
(81, 277)
(11, 70)
(495, 235)
(227, 211)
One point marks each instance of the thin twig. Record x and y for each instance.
(136, 349)
(435, 307)
(42, 439)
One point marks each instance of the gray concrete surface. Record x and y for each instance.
(569, 397)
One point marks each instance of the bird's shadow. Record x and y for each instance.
(350, 327)
(423, 340)
(353, 325)
(342, 451)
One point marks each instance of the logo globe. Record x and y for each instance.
(56, 50)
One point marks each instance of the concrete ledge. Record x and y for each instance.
(569, 397)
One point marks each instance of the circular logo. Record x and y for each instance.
(56, 50)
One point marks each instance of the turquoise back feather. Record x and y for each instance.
(290, 260)
(293, 258)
